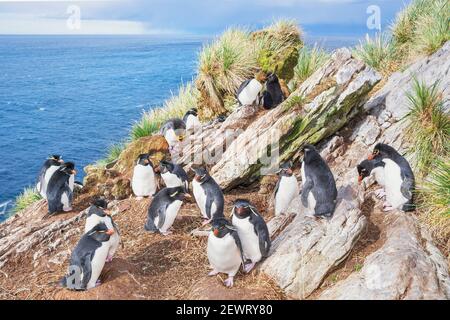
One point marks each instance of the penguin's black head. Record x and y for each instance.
(68, 168)
(56, 157)
(165, 166)
(193, 111)
(382, 151)
(100, 203)
(310, 153)
(286, 169)
(364, 169)
(242, 208)
(201, 174)
(221, 227)
(144, 160)
(100, 232)
(177, 193)
(272, 78)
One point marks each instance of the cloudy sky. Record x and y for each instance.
(189, 17)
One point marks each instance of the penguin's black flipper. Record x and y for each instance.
(87, 270)
(277, 186)
(261, 230)
(161, 216)
(208, 205)
(237, 240)
(307, 187)
(406, 189)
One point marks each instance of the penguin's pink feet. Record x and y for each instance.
(98, 283)
(249, 267)
(67, 209)
(205, 222)
(139, 198)
(109, 258)
(166, 233)
(388, 208)
(213, 273)
(228, 282)
(380, 193)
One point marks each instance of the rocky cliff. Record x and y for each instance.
(361, 253)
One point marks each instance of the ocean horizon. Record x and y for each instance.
(77, 95)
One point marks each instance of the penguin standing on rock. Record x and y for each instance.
(88, 259)
(47, 170)
(173, 131)
(398, 178)
(319, 191)
(98, 212)
(59, 192)
(208, 195)
(173, 175)
(252, 231)
(273, 95)
(191, 120)
(224, 250)
(374, 168)
(250, 89)
(286, 189)
(143, 181)
(164, 209)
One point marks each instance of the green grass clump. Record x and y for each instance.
(309, 60)
(113, 153)
(175, 107)
(428, 125)
(434, 201)
(378, 52)
(28, 196)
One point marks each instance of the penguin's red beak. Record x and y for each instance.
(370, 157)
(216, 232)
(110, 232)
(74, 172)
(360, 179)
(108, 212)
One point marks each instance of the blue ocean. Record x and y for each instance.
(77, 95)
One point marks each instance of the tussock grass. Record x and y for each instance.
(175, 107)
(309, 60)
(28, 196)
(378, 52)
(428, 126)
(227, 62)
(434, 201)
(113, 153)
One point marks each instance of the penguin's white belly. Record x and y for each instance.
(223, 254)
(378, 173)
(170, 215)
(192, 122)
(65, 201)
(171, 137)
(48, 174)
(71, 181)
(310, 198)
(249, 239)
(393, 183)
(97, 263)
(143, 182)
(200, 197)
(287, 191)
(249, 94)
(171, 180)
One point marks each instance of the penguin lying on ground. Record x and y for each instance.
(248, 91)
(60, 189)
(252, 231)
(273, 95)
(88, 259)
(173, 175)
(143, 181)
(98, 212)
(319, 191)
(398, 178)
(372, 168)
(164, 209)
(47, 170)
(286, 189)
(191, 120)
(208, 195)
(173, 131)
(224, 250)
